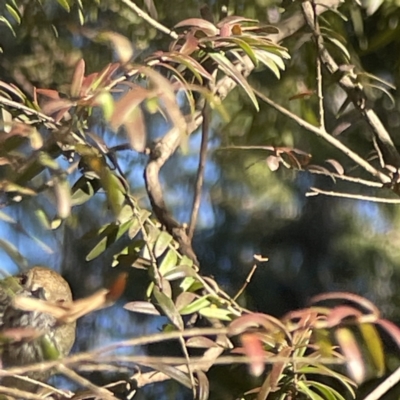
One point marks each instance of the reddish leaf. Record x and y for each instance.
(392, 329)
(77, 79)
(127, 104)
(338, 314)
(190, 45)
(360, 301)
(207, 27)
(52, 94)
(203, 390)
(255, 320)
(254, 350)
(234, 20)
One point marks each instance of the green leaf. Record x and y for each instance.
(137, 223)
(49, 348)
(110, 234)
(304, 388)
(328, 392)
(374, 345)
(106, 102)
(83, 190)
(168, 306)
(64, 4)
(217, 313)
(230, 70)
(14, 13)
(320, 369)
(195, 306)
(169, 262)
(5, 21)
(180, 272)
(162, 242)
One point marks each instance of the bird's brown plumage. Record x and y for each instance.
(46, 284)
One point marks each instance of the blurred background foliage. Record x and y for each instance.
(314, 244)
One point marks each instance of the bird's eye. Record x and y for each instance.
(39, 293)
(23, 279)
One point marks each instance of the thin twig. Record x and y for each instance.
(327, 137)
(318, 39)
(349, 82)
(95, 355)
(315, 192)
(346, 178)
(246, 282)
(385, 386)
(21, 394)
(146, 17)
(205, 128)
(28, 110)
(189, 365)
(99, 391)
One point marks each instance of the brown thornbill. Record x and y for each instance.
(50, 340)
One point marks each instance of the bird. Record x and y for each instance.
(51, 340)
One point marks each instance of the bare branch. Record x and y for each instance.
(200, 170)
(146, 17)
(315, 192)
(355, 91)
(327, 137)
(385, 386)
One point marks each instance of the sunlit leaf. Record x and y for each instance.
(207, 27)
(122, 45)
(326, 371)
(184, 299)
(64, 4)
(137, 223)
(63, 196)
(180, 272)
(303, 387)
(351, 350)
(203, 386)
(200, 342)
(169, 262)
(83, 190)
(14, 13)
(195, 306)
(233, 73)
(217, 313)
(143, 307)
